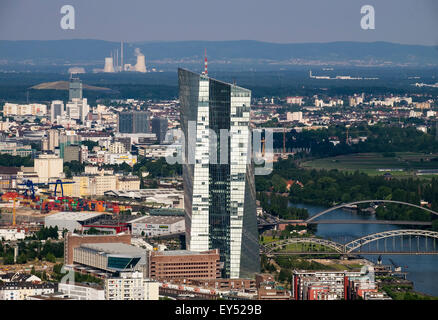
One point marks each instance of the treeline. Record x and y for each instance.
(45, 233)
(6, 160)
(277, 205)
(29, 251)
(157, 168)
(330, 187)
(380, 138)
(58, 274)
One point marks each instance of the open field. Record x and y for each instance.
(401, 165)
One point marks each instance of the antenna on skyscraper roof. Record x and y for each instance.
(205, 63)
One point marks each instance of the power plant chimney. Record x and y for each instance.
(109, 65)
(121, 56)
(141, 63)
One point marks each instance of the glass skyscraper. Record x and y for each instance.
(75, 89)
(134, 122)
(219, 188)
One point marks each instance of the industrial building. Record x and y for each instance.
(72, 220)
(167, 196)
(153, 226)
(48, 166)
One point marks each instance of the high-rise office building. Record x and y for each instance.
(75, 89)
(56, 109)
(159, 127)
(78, 109)
(134, 122)
(219, 196)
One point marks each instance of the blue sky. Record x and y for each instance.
(285, 21)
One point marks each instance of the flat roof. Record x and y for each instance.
(74, 216)
(119, 248)
(179, 253)
(158, 219)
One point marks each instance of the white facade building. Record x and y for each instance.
(12, 234)
(48, 167)
(79, 291)
(131, 286)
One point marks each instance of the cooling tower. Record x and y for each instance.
(141, 64)
(109, 65)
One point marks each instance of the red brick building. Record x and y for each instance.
(182, 264)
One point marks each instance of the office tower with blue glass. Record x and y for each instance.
(134, 122)
(219, 196)
(75, 89)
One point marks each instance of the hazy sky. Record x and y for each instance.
(401, 21)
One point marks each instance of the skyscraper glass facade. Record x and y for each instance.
(134, 122)
(219, 189)
(75, 89)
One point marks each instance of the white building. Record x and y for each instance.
(117, 147)
(56, 110)
(131, 286)
(294, 116)
(34, 109)
(430, 113)
(157, 225)
(72, 220)
(23, 290)
(12, 234)
(119, 158)
(48, 166)
(415, 114)
(295, 100)
(78, 109)
(78, 291)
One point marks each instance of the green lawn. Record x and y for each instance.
(370, 163)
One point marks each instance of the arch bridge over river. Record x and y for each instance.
(403, 242)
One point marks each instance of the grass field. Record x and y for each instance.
(370, 163)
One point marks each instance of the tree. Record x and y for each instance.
(21, 259)
(8, 259)
(51, 257)
(435, 225)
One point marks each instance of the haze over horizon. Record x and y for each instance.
(277, 21)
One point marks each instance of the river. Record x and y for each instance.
(422, 269)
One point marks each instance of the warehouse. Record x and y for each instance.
(72, 220)
(167, 196)
(153, 226)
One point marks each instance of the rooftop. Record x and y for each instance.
(158, 219)
(181, 252)
(74, 216)
(118, 248)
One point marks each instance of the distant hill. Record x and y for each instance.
(64, 85)
(91, 53)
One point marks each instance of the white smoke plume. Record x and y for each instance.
(137, 52)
